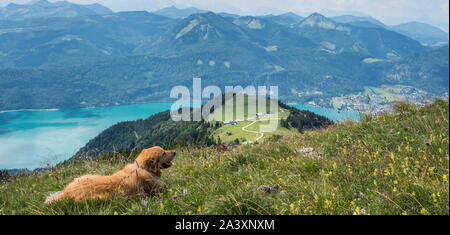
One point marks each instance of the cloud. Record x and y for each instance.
(444, 8)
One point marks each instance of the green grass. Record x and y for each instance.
(381, 165)
(242, 135)
(238, 133)
(280, 130)
(219, 114)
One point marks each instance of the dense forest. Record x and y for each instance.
(303, 120)
(157, 130)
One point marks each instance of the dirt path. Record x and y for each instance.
(245, 130)
(261, 134)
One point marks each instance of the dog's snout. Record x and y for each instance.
(174, 153)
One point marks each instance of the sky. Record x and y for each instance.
(390, 12)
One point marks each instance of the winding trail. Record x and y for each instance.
(261, 134)
(245, 130)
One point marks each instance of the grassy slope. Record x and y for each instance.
(238, 133)
(379, 166)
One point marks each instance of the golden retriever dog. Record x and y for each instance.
(144, 175)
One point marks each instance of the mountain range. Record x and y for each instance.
(43, 42)
(358, 20)
(424, 33)
(45, 8)
(134, 57)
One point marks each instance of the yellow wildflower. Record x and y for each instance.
(423, 211)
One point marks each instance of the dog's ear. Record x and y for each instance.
(152, 165)
(149, 160)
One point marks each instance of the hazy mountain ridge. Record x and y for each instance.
(352, 19)
(425, 33)
(337, 38)
(46, 42)
(50, 42)
(44, 8)
(287, 19)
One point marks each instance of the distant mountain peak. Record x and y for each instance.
(358, 20)
(318, 20)
(205, 17)
(42, 3)
(288, 19)
(207, 14)
(201, 31)
(316, 15)
(176, 13)
(12, 5)
(199, 23)
(250, 22)
(99, 9)
(291, 14)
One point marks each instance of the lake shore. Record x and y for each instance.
(34, 136)
(42, 129)
(28, 110)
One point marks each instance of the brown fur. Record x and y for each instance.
(144, 175)
(221, 148)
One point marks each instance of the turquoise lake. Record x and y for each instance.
(34, 139)
(332, 114)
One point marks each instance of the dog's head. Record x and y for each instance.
(154, 159)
